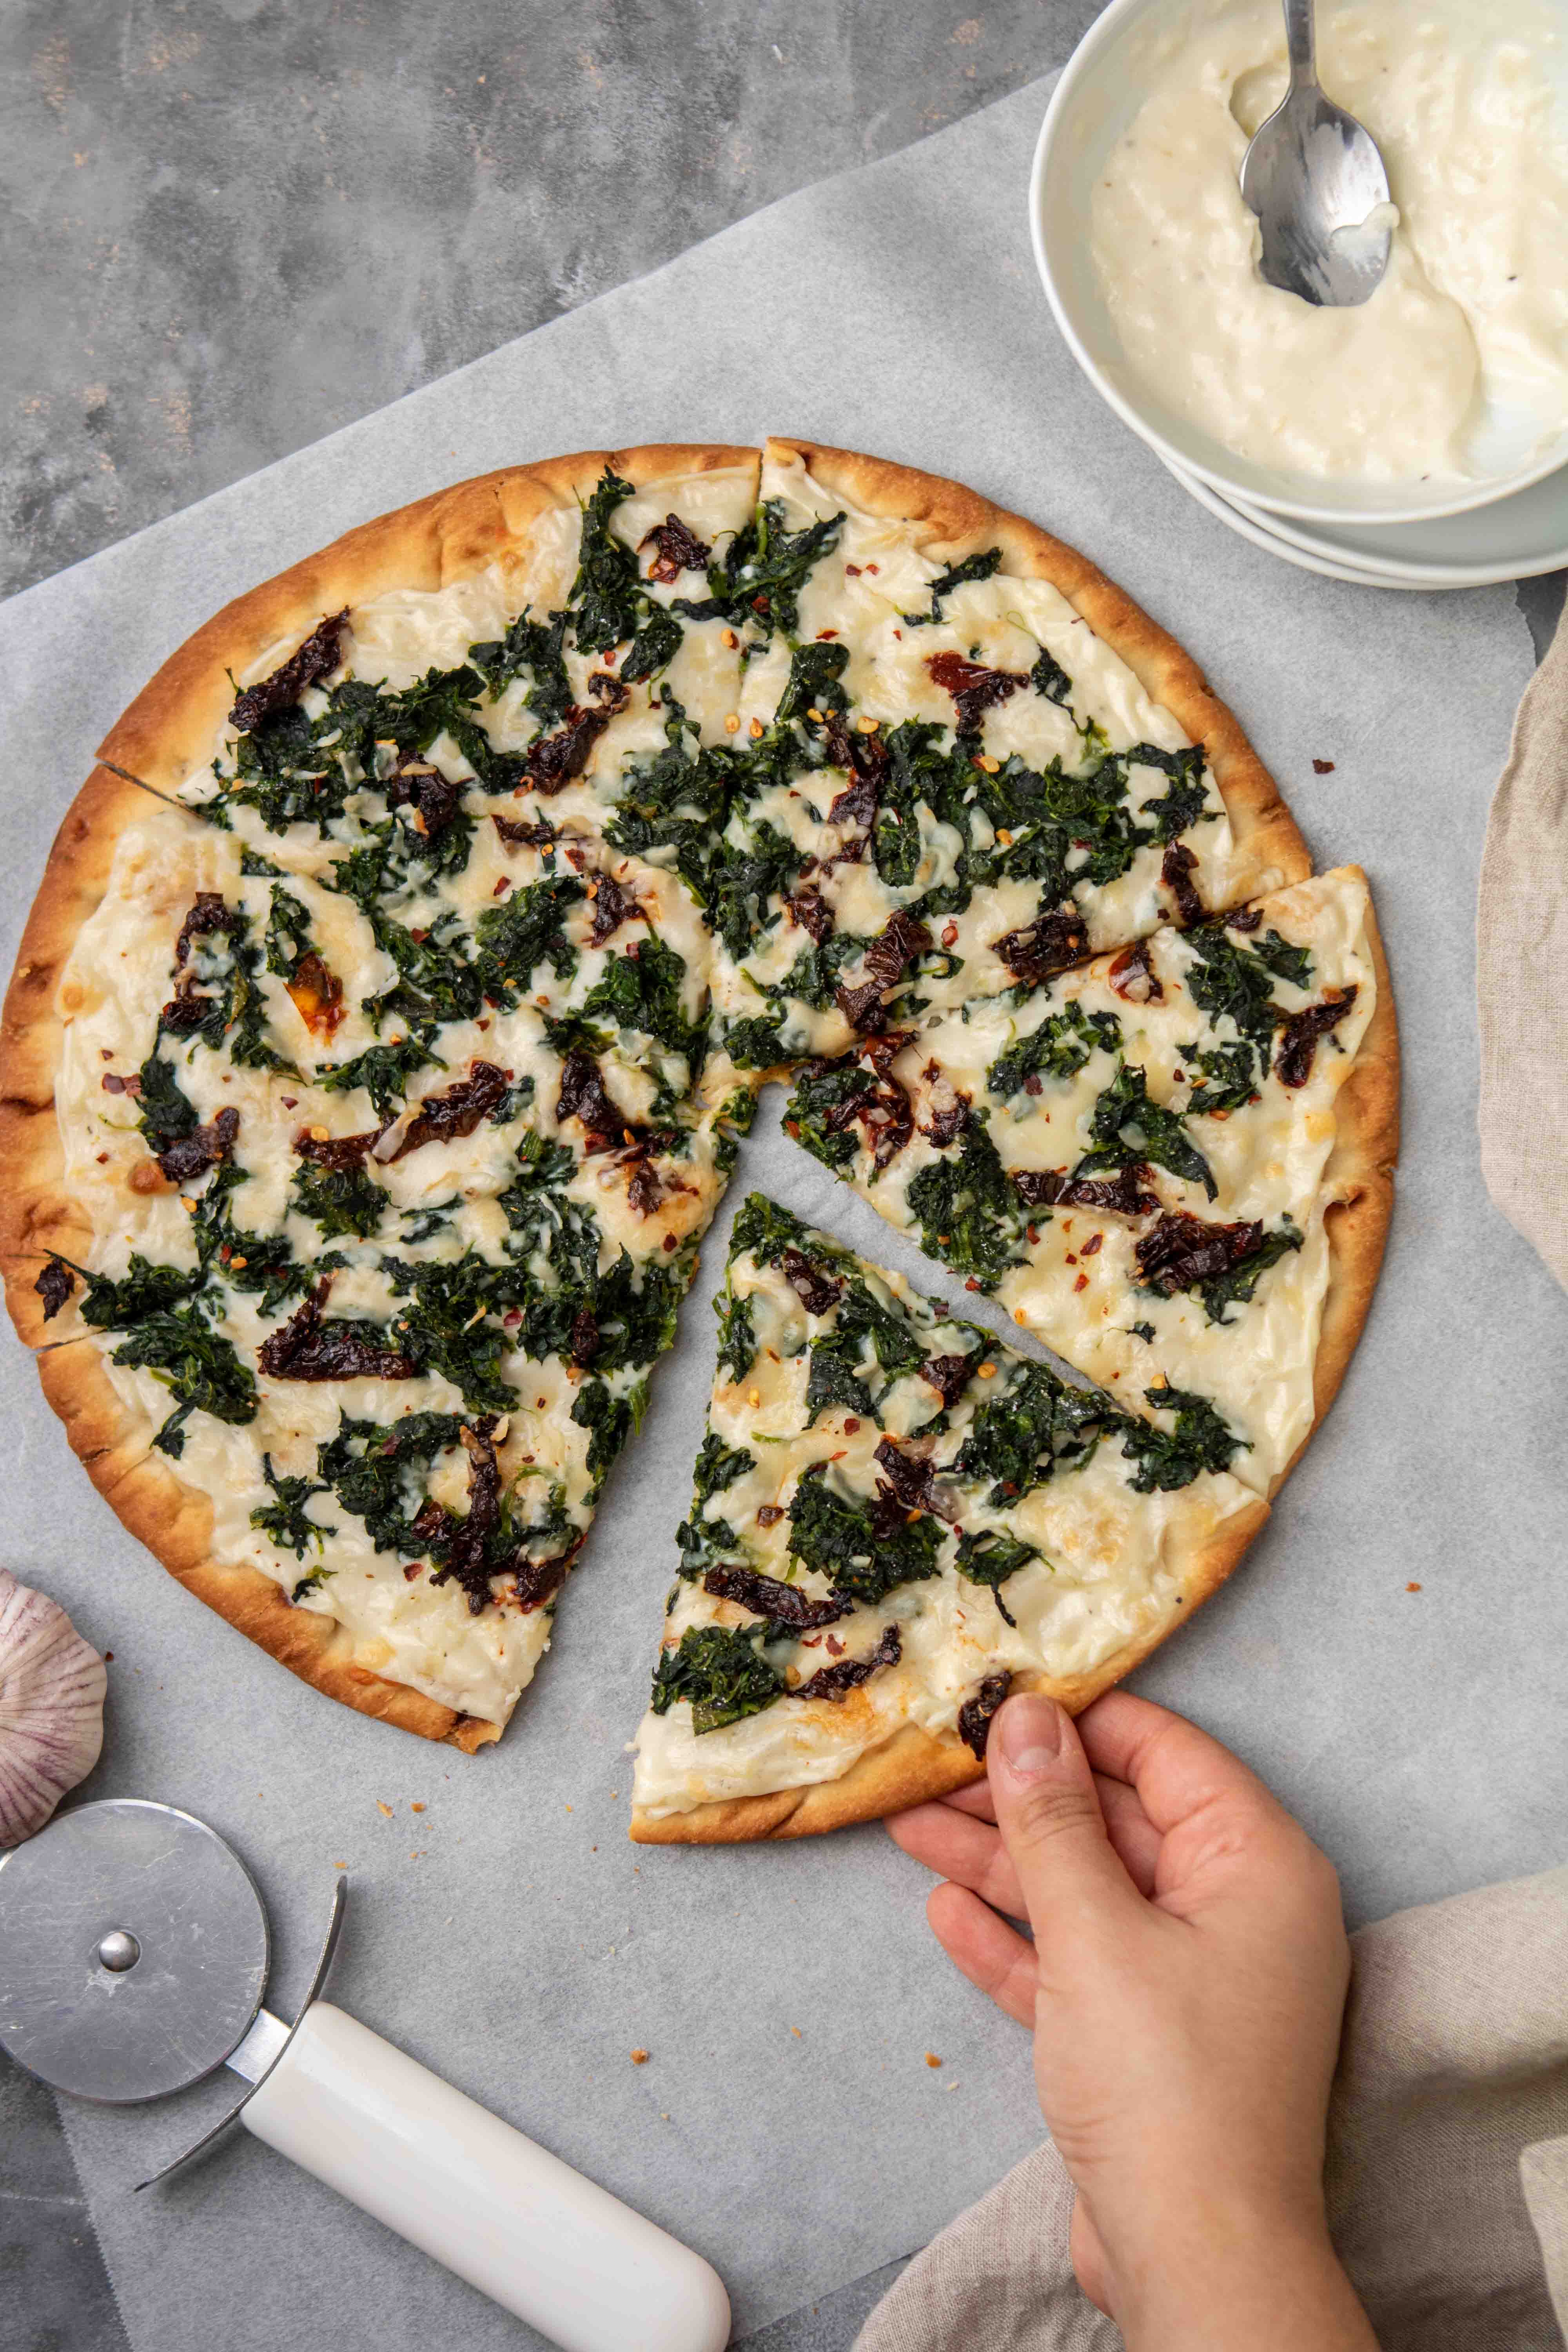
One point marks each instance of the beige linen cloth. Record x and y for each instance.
(1447, 2159)
(1522, 970)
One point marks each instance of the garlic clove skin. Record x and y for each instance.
(52, 1687)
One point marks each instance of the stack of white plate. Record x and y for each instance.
(1467, 535)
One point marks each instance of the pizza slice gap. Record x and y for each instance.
(896, 1519)
(1173, 1166)
(968, 760)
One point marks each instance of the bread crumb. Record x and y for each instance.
(796, 2030)
(931, 2058)
(639, 2057)
(383, 1808)
(415, 1806)
(1413, 1588)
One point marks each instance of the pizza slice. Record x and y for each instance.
(1173, 1165)
(895, 1520)
(965, 760)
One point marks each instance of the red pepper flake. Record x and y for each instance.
(948, 934)
(1082, 1282)
(102, 1158)
(791, 1127)
(502, 886)
(972, 1284)
(825, 633)
(419, 937)
(112, 1085)
(1033, 1233)
(852, 571)
(1326, 768)
(851, 1427)
(873, 567)
(1070, 1259)
(1413, 1588)
(670, 1243)
(106, 1053)
(108, 1657)
(289, 1102)
(511, 1318)
(835, 1646)
(1092, 1244)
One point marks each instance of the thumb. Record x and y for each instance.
(1049, 1817)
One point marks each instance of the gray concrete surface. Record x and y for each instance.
(231, 226)
(228, 226)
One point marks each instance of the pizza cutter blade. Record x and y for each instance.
(133, 1961)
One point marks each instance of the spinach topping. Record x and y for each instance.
(1035, 1424)
(1129, 1131)
(534, 648)
(990, 1557)
(1221, 1262)
(737, 1337)
(197, 1365)
(383, 1071)
(765, 1231)
(1059, 1048)
(338, 1200)
(642, 990)
(721, 1669)
(1168, 1459)
(762, 571)
(260, 1263)
(375, 1468)
(705, 1540)
(853, 1547)
(973, 567)
(1229, 979)
(967, 1212)
(286, 1522)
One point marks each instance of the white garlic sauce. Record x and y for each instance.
(1458, 365)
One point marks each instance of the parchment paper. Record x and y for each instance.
(509, 1935)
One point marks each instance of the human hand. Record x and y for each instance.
(1184, 1986)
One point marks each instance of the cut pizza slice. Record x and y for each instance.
(965, 760)
(895, 1521)
(1173, 1166)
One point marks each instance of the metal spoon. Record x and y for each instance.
(1312, 176)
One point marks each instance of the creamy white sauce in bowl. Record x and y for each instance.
(1449, 387)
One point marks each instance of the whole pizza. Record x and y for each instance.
(393, 1012)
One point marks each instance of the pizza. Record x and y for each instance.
(896, 1519)
(401, 987)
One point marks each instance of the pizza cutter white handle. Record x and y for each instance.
(515, 2220)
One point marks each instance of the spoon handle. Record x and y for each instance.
(1301, 41)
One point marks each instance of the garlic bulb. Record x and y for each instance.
(52, 1686)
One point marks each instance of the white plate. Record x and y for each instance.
(1480, 560)
(1252, 527)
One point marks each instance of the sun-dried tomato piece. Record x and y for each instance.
(1298, 1039)
(1176, 870)
(855, 806)
(973, 688)
(678, 549)
(836, 1681)
(208, 913)
(947, 1123)
(817, 1291)
(1051, 1187)
(1133, 976)
(1180, 1251)
(811, 910)
(535, 1582)
(1049, 944)
(524, 836)
(786, 1604)
(54, 1287)
(186, 1011)
(336, 1151)
(189, 1156)
(456, 1110)
(613, 906)
(585, 1336)
(316, 658)
(583, 1096)
(434, 798)
(552, 761)
(314, 1346)
(317, 994)
(901, 943)
(1245, 918)
(948, 1375)
(974, 1716)
(908, 1479)
(467, 1542)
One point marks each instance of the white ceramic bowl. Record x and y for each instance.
(1102, 87)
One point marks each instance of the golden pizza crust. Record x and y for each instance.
(959, 522)
(915, 1766)
(170, 732)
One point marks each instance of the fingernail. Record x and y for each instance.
(1027, 1735)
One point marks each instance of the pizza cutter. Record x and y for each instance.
(133, 1959)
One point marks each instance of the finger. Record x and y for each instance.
(991, 1954)
(1051, 1820)
(976, 1800)
(1175, 1769)
(1134, 1839)
(958, 1847)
